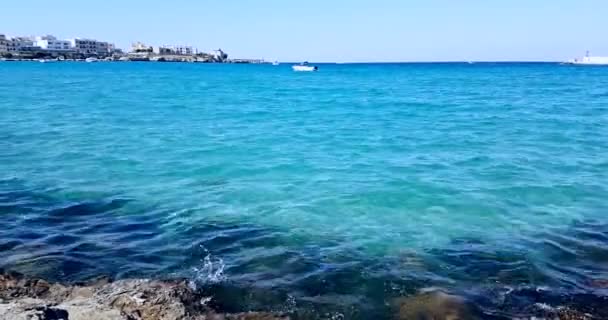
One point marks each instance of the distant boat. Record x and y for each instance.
(46, 60)
(589, 61)
(304, 67)
(276, 63)
(91, 59)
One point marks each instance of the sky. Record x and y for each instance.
(331, 30)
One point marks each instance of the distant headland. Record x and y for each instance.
(49, 47)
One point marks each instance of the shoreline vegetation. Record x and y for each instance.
(29, 298)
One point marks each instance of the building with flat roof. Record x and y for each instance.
(183, 50)
(18, 44)
(174, 50)
(54, 45)
(3, 43)
(91, 46)
(140, 47)
(163, 50)
(51, 43)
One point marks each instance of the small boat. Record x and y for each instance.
(304, 67)
(276, 63)
(91, 59)
(46, 60)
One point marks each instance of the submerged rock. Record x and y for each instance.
(34, 299)
(599, 283)
(434, 305)
(569, 314)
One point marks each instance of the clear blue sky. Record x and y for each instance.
(331, 30)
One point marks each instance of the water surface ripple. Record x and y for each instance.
(332, 192)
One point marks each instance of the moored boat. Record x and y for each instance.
(91, 59)
(305, 67)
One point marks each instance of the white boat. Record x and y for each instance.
(589, 61)
(276, 63)
(46, 60)
(304, 67)
(91, 59)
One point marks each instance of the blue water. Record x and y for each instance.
(334, 190)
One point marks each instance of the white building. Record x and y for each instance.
(3, 43)
(16, 44)
(51, 43)
(183, 50)
(164, 50)
(174, 50)
(22, 44)
(140, 47)
(91, 46)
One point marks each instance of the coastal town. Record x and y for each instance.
(50, 48)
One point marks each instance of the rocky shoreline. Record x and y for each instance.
(26, 298)
(23, 298)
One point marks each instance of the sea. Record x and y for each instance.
(327, 193)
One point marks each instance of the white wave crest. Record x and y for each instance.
(211, 271)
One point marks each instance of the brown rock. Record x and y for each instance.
(81, 292)
(434, 305)
(599, 283)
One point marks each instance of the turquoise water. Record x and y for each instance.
(332, 189)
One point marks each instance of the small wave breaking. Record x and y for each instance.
(210, 272)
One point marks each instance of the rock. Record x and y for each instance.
(435, 305)
(81, 292)
(33, 299)
(599, 283)
(48, 313)
(559, 313)
(569, 314)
